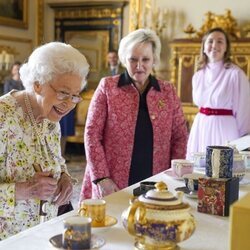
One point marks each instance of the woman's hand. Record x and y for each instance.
(64, 190)
(106, 187)
(41, 186)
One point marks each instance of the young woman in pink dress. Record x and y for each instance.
(221, 91)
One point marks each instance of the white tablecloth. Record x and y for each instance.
(212, 232)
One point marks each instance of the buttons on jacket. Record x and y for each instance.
(152, 116)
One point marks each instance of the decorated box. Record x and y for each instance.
(239, 224)
(216, 195)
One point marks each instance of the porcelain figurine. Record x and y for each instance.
(158, 219)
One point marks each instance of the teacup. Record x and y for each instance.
(181, 167)
(77, 233)
(246, 157)
(219, 161)
(199, 159)
(95, 209)
(192, 180)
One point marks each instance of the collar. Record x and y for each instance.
(125, 79)
(114, 67)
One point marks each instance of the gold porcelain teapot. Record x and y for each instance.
(158, 219)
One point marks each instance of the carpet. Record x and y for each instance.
(76, 167)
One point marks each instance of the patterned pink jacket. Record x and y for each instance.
(110, 128)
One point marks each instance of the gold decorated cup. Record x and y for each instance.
(77, 233)
(95, 209)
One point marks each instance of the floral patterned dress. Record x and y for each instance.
(20, 148)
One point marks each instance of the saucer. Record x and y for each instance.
(185, 190)
(109, 222)
(96, 241)
(170, 173)
(244, 182)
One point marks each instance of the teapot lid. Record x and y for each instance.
(161, 196)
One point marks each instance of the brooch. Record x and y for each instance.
(161, 104)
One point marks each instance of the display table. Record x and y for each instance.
(212, 232)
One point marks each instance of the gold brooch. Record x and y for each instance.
(161, 104)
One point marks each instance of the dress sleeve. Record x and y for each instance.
(241, 106)
(6, 86)
(7, 189)
(94, 131)
(179, 130)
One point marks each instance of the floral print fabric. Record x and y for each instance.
(110, 128)
(20, 148)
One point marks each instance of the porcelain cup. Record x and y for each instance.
(95, 209)
(192, 180)
(199, 159)
(77, 233)
(181, 167)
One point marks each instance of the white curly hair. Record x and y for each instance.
(50, 60)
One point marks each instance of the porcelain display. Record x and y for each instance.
(188, 194)
(109, 222)
(219, 161)
(192, 181)
(246, 157)
(181, 166)
(96, 242)
(199, 159)
(239, 167)
(158, 219)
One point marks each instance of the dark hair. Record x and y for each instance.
(113, 51)
(203, 59)
(16, 63)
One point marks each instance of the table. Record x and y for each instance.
(212, 232)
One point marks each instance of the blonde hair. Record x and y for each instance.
(136, 37)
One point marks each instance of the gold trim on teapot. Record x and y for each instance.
(158, 219)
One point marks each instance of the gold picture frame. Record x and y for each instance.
(14, 13)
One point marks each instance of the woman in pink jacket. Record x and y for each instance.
(135, 123)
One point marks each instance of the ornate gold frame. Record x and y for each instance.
(15, 22)
(39, 22)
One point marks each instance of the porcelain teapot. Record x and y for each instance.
(158, 219)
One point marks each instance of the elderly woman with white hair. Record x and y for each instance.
(32, 169)
(135, 124)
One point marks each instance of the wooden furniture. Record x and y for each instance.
(80, 117)
(185, 53)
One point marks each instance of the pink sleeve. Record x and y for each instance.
(241, 105)
(94, 130)
(179, 130)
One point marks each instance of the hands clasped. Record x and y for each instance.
(43, 186)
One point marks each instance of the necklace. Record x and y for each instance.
(32, 119)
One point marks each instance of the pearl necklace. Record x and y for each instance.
(38, 132)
